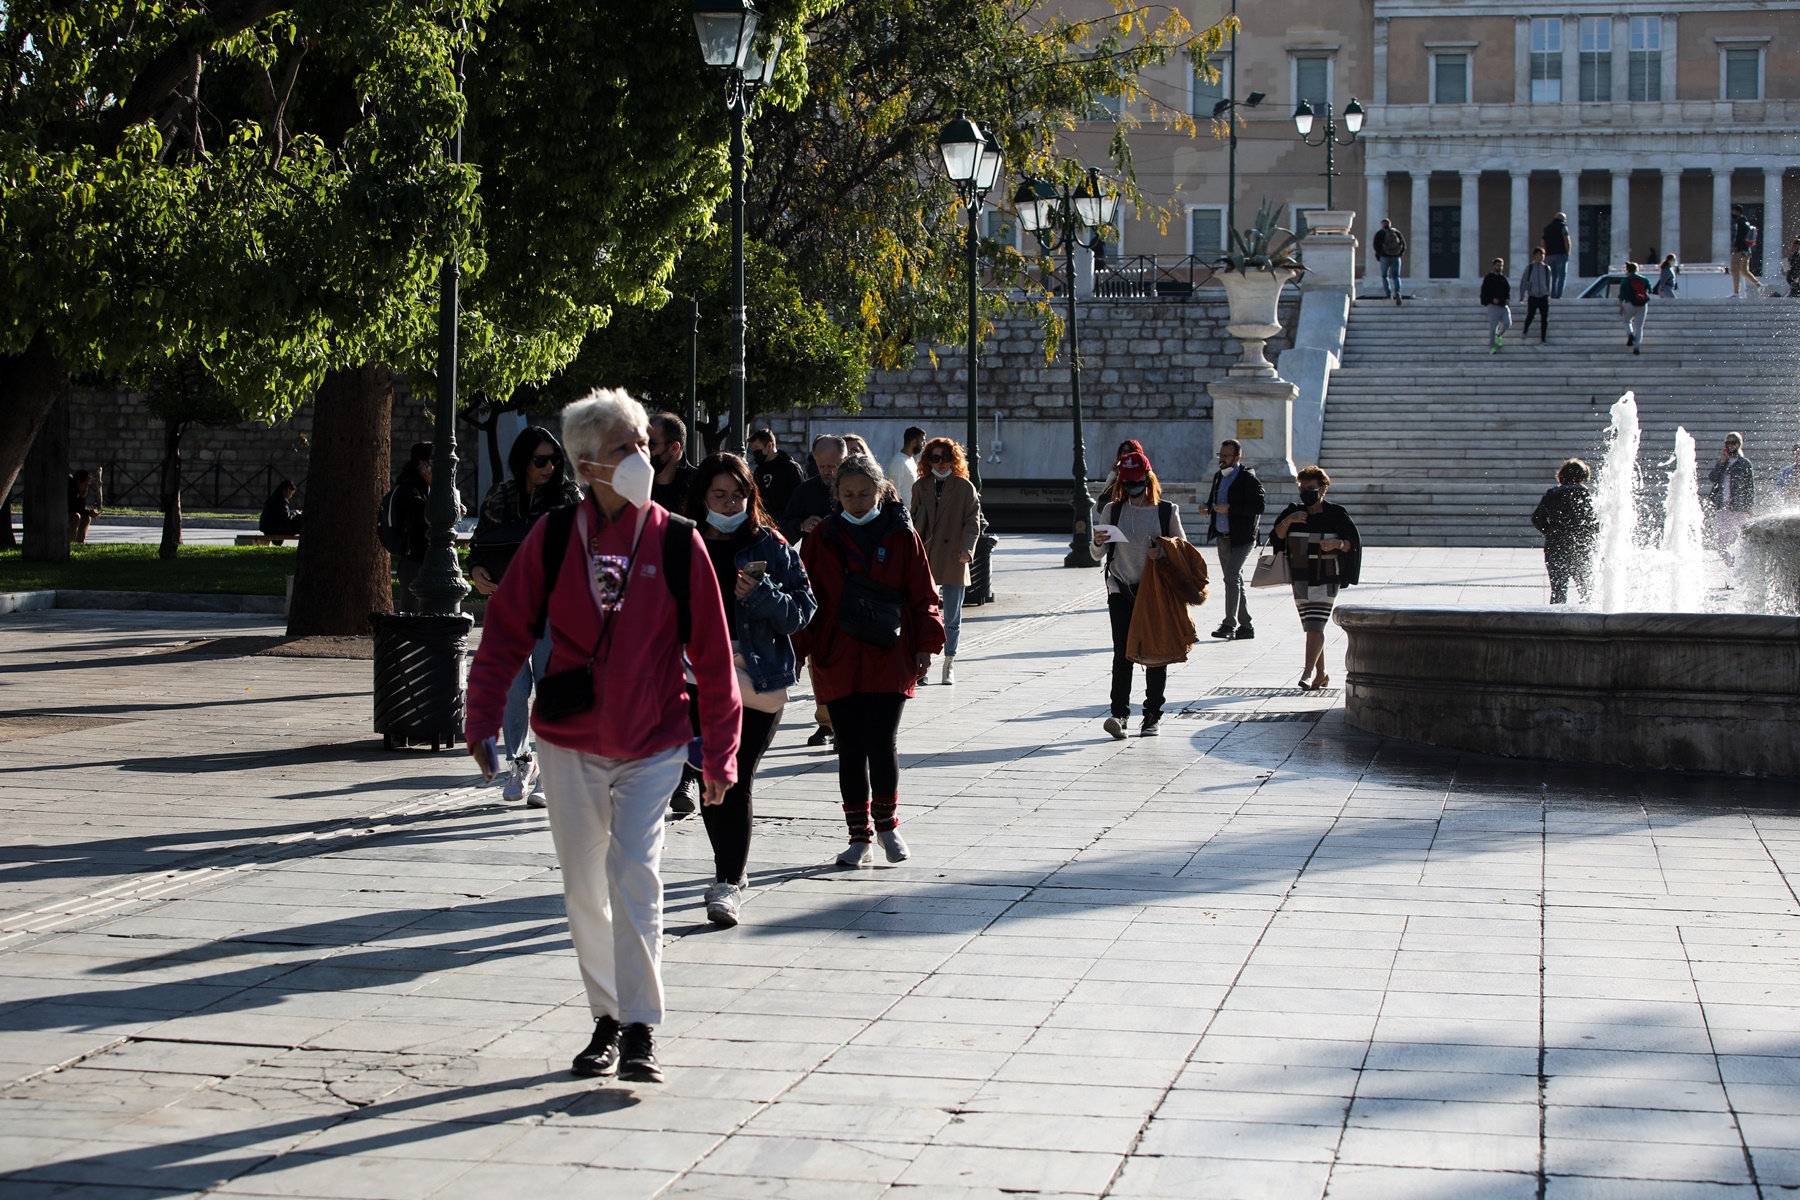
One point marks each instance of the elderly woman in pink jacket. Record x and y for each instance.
(609, 575)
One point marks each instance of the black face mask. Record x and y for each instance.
(1310, 496)
(1135, 489)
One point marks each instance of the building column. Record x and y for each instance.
(1671, 212)
(1774, 246)
(1721, 215)
(1380, 57)
(1417, 263)
(1569, 204)
(1378, 203)
(1620, 250)
(1519, 229)
(1469, 260)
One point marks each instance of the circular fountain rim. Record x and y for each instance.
(1538, 620)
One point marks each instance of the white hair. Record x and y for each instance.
(593, 421)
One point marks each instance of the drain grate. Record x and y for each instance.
(1217, 717)
(1268, 692)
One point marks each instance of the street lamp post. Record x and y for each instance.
(727, 33)
(972, 160)
(1065, 218)
(1353, 123)
(1227, 108)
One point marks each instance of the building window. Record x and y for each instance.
(1646, 59)
(1546, 60)
(1105, 108)
(1596, 58)
(1206, 94)
(1450, 79)
(1312, 80)
(1743, 73)
(997, 227)
(1206, 232)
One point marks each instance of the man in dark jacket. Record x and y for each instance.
(1558, 245)
(1496, 297)
(1389, 246)
(1565, 516)
(1743, 248)
(1534, 289)
(1233, 507)
(1731, 494)
(812, 501)
(668, 440)
(776, 475)
(412, 491)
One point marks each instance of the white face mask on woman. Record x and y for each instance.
(631, 479)
(941, 472)
(727, 522)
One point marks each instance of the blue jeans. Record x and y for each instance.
(952, 596)
(517, 723)
(1390, 275)
(1559, 274)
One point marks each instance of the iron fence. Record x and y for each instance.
(1137, 277)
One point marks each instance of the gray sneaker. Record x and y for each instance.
(1116, 727)
(723, 900)
(520, 780)
(856, 854)
(894, 844)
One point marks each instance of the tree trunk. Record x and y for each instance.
(30, 384)
(341, 574)
(47, 487)
(170, 476)
(7, 540)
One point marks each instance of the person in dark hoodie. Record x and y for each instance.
(1566, 518)
(1496, 297)
(777, 475)
(411, 492)
(1558, 245)
(280, 519)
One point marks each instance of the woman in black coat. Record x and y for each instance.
(1566, 518)
(1324, 553)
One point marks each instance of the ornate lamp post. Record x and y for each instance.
(973, 160)
(1353, 123)
(727, 33)
(1064, 218)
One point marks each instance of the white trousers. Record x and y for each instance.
(606, 817)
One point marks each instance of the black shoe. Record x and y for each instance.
(1245, 633)
(821, 736)
(1151, 727)
(602, 1054)
(685, 802)
(1630, 340)
(1225, 631)
(1637, 349)
(637, 1055)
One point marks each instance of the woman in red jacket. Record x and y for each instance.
(878, 626)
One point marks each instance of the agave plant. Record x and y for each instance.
(1265, 246)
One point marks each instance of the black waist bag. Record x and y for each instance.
(870, 612)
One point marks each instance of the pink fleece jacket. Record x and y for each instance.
(640, 699)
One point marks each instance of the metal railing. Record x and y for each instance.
(1136, 277)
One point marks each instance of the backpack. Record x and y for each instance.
(1165, 511)
(387, 530)
(1636, 290)
(678, 564)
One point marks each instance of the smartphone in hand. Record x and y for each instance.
(756, 570)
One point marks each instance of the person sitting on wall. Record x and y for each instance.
(280, 519)
(82, 509)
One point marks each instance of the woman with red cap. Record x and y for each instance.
(1135, 507)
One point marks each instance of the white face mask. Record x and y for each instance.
(727, 523)
(631, 479)
(941, 472)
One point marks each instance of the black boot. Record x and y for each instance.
(685, 801)
(1245, 633)
(637, 1055)
(820, 736)
(602, 1054)
(1226, 631)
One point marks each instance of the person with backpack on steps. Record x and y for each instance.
(624, 587)
(1389, 246)
(1136, 509)
(1743, 249)
(1634, 302)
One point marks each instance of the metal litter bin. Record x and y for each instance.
(421, 663)
(981, 572)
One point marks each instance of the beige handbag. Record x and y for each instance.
(755, 701)
(1272, 570)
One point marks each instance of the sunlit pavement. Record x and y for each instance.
(244, 952)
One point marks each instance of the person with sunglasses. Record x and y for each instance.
(946, 511)
(539, 480)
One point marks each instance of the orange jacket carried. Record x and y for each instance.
(1161, 630)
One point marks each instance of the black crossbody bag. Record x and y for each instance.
(870, 612)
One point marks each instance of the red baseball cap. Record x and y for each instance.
(1134, 466)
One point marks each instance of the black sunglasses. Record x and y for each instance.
(938, 458)
(544, 460)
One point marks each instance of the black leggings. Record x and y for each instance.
(867, 725)
(728, 824)
(1119, 606)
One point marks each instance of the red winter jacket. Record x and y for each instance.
(841, 664)
(640, 696)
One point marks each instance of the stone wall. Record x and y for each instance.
(1146, 368)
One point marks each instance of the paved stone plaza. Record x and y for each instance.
(244, 952)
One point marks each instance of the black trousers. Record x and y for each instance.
(1120, 605)
(728, 823)
(1541, 306)
(867, 725)
(1566, 566)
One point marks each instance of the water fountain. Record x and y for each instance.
(1664, 666)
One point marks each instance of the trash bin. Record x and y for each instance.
(981, 572)
(420, 666)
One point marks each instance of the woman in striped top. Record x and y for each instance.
(1325, 553)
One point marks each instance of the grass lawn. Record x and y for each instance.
(235, 515)
(125, 567)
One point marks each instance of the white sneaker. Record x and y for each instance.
(856, 854)
(894, 844)
(1116, 727)
(723, 901)
(520, 780)
(535, 798)
(949, 675)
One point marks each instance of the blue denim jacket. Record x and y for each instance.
(776, 609)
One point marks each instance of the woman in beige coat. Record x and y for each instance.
(946, 510)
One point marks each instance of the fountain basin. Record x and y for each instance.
(1687, 691)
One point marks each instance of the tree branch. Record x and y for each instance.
(171, 68)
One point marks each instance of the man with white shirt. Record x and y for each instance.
(903, 470)
(1233, 507)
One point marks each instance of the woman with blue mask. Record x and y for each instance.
(767, 601)
(878, 626)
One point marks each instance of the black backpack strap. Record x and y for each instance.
(678, 567)
(1165, 512)
(559, 523)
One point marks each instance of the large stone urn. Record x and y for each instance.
(1253, 295)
